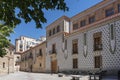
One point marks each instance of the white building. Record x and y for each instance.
(24, 43)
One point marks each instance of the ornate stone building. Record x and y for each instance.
(33, 60)
(88, 41)
(91, 42)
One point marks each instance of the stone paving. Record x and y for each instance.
(38, 76)
(32, 76)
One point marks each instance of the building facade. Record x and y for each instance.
(24, 43)
(17, 59)
(33, 60)
(55, 38)
(88, 41)
(91, 42)
(7, 62)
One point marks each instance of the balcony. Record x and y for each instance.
(40, 54)
(98, 47)
(75, 51)
(52, 52)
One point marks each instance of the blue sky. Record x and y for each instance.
(75, 7)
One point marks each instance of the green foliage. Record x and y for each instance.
(4, 42)
(13, 11)
(28, 10)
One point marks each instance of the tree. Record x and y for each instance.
(4, 42)
(28, 10)
(13, 11)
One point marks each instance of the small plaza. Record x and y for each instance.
(43, 76)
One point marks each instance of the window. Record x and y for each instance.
(18, 57)
(109, 12)
(3, 64)
(27, 46)
(53, 31)
(75, 47)
(98, 41)
(21, 46)
(91, 19)
(75, 26)
(40, 64)
(58, 28)
(31, 56)
(40, 52)
(118, 7)
(50, 33)
(53, 48)
(82, 23)
(98, 61)
(75, 63)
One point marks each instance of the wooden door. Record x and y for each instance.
(54, 66)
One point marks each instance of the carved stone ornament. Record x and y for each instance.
(85, 45)
(112, 40)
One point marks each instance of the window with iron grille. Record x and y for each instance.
(53, 31)
(97, 61)
(98, 41)
(109, 12)
(50, 33)
(53, 48)
(40, 52)
(82, 23)
(75, 26)
(75, 63)
(58, 28)
(91, 19)
(75, 46)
